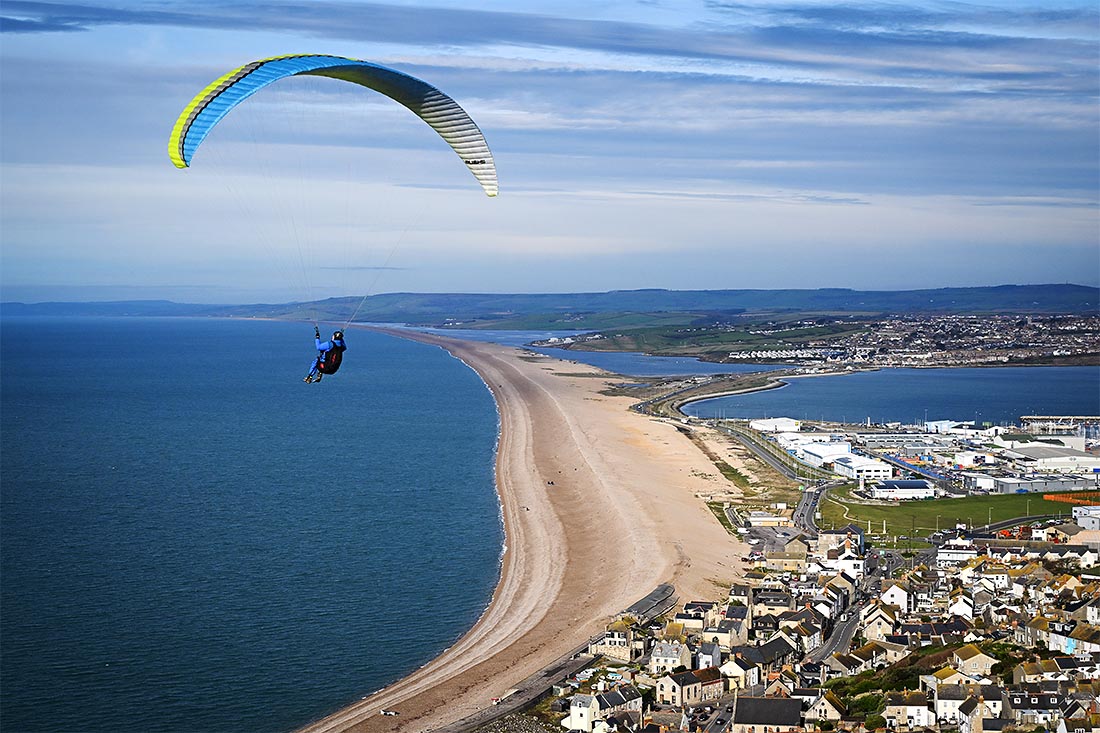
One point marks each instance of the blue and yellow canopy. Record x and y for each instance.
(428, 103)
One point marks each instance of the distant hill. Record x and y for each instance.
(574, 309)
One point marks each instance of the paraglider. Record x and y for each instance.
(330, 354)
(431, 105)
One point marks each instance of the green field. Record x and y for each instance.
(920, 518)
(705, 339)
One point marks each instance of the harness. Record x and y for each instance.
(329, 361)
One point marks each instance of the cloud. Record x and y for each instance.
(360, 268)
(871, 42)
(854, 136)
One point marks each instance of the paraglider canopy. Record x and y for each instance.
(442, 113)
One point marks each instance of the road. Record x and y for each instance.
(841, 637)
(807, 506)
(802, 473)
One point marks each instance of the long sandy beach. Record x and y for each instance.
(600, 506)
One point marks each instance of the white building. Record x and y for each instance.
(973, 481)
(766, 519)
(956, 552)
(973, 459)
(862, 468)
(1034, 457)
(818, 454)
(1087, 517)
(903, 490)
(776, 425)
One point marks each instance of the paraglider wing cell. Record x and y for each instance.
(442, 113)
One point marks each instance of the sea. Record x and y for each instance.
(193, 540)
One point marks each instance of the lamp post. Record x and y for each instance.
(1029, 506)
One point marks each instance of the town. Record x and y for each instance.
(882, 620)
(916, 340)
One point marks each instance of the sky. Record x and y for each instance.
(645, 144)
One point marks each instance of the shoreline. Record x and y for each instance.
(619, 518)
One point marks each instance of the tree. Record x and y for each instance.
(875, 722)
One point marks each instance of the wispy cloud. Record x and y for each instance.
(361, 268)
(852, 134)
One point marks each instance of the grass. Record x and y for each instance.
(920, 518)
(732, 474)
(719, 509)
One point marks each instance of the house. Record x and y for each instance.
(583, 712)
(944, 676)
(843, 665)
(896, 593)
(622, 699)
(975, 716)
(769, 656)
(907, 711)
(733, 630)
(767, 715)
(878, 621)
(947, 700)
(972, 661)
(872, 655)
(697, 615)
(771, 602)
(740, 673)
(962, 605)
(667, 656)
(691, 687)
(1084, 724)
(708, 655)
(594, 712)
(826, 707)
(617, 643)
(740, 595)
(764, 626)
(781, 686)
(1035, 707)
(834, 539)
(807, 695)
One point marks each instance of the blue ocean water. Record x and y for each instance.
(191, 539)
(997, 395)
(620, 362)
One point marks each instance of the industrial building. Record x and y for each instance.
(820, 454)
(903, 490)
(862, 468)
(898, 440)
(1087, 517)
(776, 425)
(1037, 482)
(1037, 457)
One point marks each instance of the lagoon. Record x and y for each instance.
(997, 395)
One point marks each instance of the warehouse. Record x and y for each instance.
(903, 490)
(1035, 458)
(862, 468)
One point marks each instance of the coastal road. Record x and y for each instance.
(761, 452)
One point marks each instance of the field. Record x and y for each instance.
(706, 339)
(921, 518)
